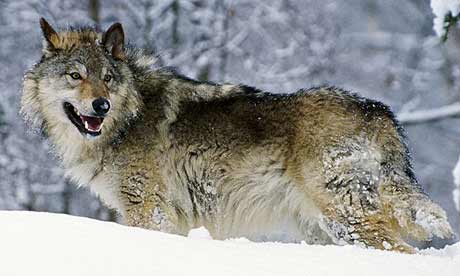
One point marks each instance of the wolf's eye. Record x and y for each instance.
(107, 78)
(75, 76)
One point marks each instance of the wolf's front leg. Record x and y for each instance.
(147, 212)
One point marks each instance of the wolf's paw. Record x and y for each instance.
(434, 221)
(423, 219)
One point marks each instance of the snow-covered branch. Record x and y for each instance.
(456, 191)
(422, 116)
(446, 14)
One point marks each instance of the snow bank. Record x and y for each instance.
(440, 9)
(53, 244)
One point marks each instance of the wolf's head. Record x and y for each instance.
(82, 88)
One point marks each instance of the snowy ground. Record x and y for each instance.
(52, 244)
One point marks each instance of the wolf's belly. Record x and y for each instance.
(269, 224)
(281, 229)
(274, 218)
(258, 201)
(251, 196)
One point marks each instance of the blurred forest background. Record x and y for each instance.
(385, 50)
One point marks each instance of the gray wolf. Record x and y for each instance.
(171, 153)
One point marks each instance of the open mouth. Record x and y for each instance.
(88, 125)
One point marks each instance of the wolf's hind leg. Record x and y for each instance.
(348, 220)
(350, 201)
(415, 214)
(375, 201)
(352, 213)
(402, 198)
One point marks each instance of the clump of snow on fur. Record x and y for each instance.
(386, 245)
(440, 9)
(430, 223)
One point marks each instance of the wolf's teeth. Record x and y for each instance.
(76, 111)
(86, 125)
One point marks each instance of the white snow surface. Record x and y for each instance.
(48, 244)
(440, 9)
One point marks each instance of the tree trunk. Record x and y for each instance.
(94, 12)
(175, 27)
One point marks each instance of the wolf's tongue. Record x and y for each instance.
(92, 123)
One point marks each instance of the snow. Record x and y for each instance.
(199, 233)
(456, 191)
(53, 244)
(440, 9)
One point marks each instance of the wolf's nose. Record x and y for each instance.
(101, 106)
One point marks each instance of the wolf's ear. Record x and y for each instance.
(51, 37)
(114, 40)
